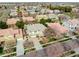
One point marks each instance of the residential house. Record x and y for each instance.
(63, 17)
(28, 19)
(13, 13)
(31, 8)
(10, 31)
(32, 13)
(24, 13)
(12, 21)
(39, 53)
(9, 42)
(56, 11)
(9, 38)
(35, 29)
(49, 11)
(75, 10)
(43, 11)
(57, 29)
(71, 24)
(71, 44)
(53, 17)
(39, 17)
(54, 50)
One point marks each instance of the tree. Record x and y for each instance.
(62, 8)
(20, 24)
(3, 25)
(19, 11)
(48, 20)
(1, 50)
(43, 21)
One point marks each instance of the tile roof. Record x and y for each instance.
(72, 44)
(41, 17)
(35, 27)
(39, 53)
(50, 51)
(10, 31)
(57, 28)
(54, 50)
(28, 19)
(12, 21)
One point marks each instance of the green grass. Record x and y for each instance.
(52, 39)
(65, 40)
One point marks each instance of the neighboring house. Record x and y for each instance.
(63, 17)
(38, 9)
(32, 13)
(39, 17)
(53, 17)
(56, 11)
(8, 43)
(9, 38)
(75, 10)
(35, 29)
(12, 21)
(28, 19)
(24, 13)
(31, 8)
(71, 24)
(49, 11)
(53, 50)
(10, 31)
(57, 29)
(39, 53)
(72, 44)
(13, 13)
(22, 7)
(43, 11)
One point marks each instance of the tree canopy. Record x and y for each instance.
(20, 24)
(62, 8)
(44, 21)
(3, 25)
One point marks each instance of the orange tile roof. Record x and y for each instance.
(10, 31)
(28, 19)
(57, 28)
(12, 21)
